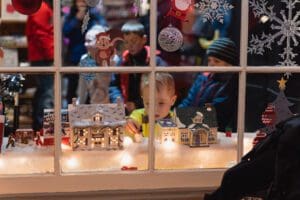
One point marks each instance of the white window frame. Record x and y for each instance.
(150, 179)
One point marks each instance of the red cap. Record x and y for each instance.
(26, 7)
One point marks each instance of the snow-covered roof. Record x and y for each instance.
(82, 115)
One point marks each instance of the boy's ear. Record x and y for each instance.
(174, 99)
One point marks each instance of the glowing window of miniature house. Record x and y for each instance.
(97, 117)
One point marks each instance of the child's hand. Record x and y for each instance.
(132, 127)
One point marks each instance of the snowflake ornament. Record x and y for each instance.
(286, 28)
(212, 10)
(170, 39)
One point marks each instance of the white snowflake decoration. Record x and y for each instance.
(170, 39)
(212, 10)
(287, 29)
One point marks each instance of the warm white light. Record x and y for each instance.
(65, 147)
(168, 145)
(127, 141)
(126, 159)
(2, 163)
(264, 19)
(72, 162)
(22, 160)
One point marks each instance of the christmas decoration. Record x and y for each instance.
(92, 3)
(211, 10)
(26, 7)
(286, 30)
(85, 22)
(1, 54)
(105, 48)
(97, 126)
(170, 39)
(179, 9)
(278, 110)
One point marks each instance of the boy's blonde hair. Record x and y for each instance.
(161, 79)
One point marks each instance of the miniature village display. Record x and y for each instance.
(189, 127)
(97, 126)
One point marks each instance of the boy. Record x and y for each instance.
(165, 98)
(219, 89)
(137, 54)
(96, 85)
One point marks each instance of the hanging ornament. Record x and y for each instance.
(1, 54)
(85, 22)
(92, 3)
(170, 39)
(179, 9)
(26, 7)
(105, 48)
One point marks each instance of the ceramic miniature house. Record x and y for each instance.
(184, 119)
(167, 130)
(198, 132)
(97, 126)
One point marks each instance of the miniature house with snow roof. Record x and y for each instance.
(184, 119)
(198, 132)
(97, 126)
(167, 130)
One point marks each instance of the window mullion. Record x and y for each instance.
(57, 86)
(242, 78)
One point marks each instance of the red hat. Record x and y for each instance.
(26, 7)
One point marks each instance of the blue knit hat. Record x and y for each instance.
(224, 49)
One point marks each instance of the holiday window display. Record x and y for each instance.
(189, 118)
(211, 10)
(46, 135)
(275, 112)
(97, 126)
(179, 9)
(284, 30)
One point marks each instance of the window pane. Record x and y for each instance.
(82, 26)
(186, 30)
(271, 98)
(28, 137)
(27, 39)
(273, 33)
(102, 138)
(197, 130)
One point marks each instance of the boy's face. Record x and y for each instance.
(213, 61)
(134, 43)
(163, 102)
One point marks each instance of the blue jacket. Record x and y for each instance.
(220, 90)
(72, 31)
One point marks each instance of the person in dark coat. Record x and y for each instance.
(220, 90)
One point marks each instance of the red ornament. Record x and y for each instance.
(179, 9)
(26, 7)
(1, 53)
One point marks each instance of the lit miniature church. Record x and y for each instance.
(97, 126)
(187, 119)
(192, 126)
